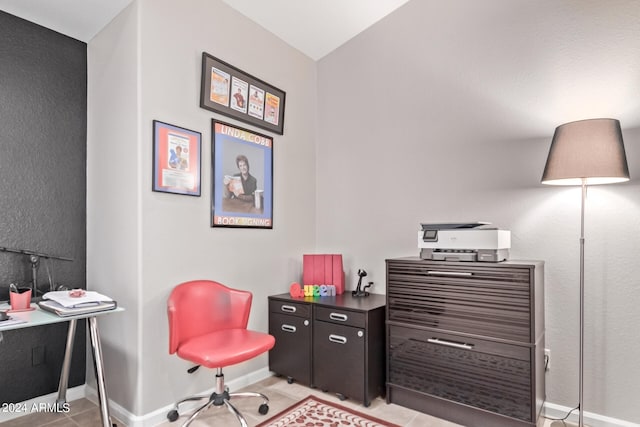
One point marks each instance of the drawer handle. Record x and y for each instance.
(338, 316)
(449, 273)
(451, 343)
(339, 339)
(288, 328)
(288, 308)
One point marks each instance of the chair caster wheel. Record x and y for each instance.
(263, 409)
(341, 396)
(172, 415)
(289, 380)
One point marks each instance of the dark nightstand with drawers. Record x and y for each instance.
(333, 343)
(466, 340)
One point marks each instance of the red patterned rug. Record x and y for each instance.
(316, 412)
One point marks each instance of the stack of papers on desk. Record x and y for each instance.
(62, 304)
(11, 321)
(88, 298)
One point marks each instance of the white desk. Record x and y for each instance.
(40, 317)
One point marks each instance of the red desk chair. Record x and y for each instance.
(208, 326)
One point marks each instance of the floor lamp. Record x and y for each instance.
(586, 152)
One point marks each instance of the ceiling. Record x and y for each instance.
(80, 19)
(300, 23)
(315, 27)
(557, 60)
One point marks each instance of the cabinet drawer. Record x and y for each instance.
(291, 355)
(489, 301)
(338, 359)
(341, 317)
(287, 307)
(492, 376)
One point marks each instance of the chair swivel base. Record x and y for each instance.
(218, 398)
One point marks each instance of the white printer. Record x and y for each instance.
(467, 241)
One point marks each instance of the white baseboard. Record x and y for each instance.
(591, 419)
(46, 403)
(159, 416)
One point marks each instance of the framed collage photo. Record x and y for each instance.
(227, 90)
(242, 171)
(176, 159)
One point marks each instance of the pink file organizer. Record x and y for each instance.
(324, 269)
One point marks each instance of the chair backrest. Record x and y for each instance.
(202, 306)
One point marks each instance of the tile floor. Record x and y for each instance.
(83, 413)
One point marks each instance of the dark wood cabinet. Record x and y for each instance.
(335, 343)
(465, 340)
(290, 323)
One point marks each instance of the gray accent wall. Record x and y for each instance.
(43, 92)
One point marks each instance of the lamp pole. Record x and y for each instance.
(581, 367)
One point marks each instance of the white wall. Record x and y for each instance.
(445, 113)
(178, 242)
(113, 198)
(435, 113)
(170, 239)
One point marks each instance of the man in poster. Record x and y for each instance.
(242, 185)
(239, 99)
(239, 89)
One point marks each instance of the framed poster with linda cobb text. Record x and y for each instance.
(242, 171)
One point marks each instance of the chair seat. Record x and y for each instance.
(225, 347)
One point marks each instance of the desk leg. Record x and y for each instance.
(97, 361)
(66, 365)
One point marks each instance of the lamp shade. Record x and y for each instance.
(586, 150)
